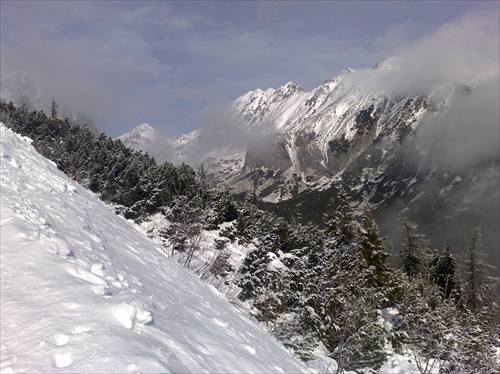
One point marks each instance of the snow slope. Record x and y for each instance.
(83, 291)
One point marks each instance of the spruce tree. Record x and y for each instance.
(416, 256)
(444, 273)
(54, 114)
(478, 287)
(351, 287)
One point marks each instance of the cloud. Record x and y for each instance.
(460, 65)
(124, 63)
(467, 130)
(103, 61)
(461, 51)
(457, 66)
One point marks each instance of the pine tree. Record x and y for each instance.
(351, 278)
(254, 273)
(339, 218)
(54, 114)
(347, 309)
(246, 223)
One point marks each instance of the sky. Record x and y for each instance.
(172, 64)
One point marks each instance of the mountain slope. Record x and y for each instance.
(83, 291)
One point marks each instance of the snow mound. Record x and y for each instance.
(83, 291)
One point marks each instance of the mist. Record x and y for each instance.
(467, 130)
(457, 70)
(222, 129)
(465, 51)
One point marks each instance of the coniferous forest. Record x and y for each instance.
(335, 287)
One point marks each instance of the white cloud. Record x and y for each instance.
(462, 51)
(458, 66)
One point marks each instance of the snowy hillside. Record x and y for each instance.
(83, 291)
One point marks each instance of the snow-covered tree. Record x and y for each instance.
(444, 273)
(347, 309)
(441, 335)
(54, 113)
(478, 286)
(416, 255)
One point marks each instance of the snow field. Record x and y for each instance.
(83, 291)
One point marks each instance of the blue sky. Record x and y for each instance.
(173, 64)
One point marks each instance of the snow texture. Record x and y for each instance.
(82, 290)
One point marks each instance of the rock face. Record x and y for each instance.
(312, 138)
(409, 154)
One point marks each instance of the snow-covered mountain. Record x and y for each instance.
(82, 290)
(147, 139)
(143, 135)
(423, 149)
(285, 141)
(221, 157)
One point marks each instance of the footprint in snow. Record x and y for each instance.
(79, 329)
(98, 285)
(86, 275)
(131, 316)
(71, 305)
(250, 349)
(62, 359)
(60, 339)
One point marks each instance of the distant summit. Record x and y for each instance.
(391, 63)
(142, 134)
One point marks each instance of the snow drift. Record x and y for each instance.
(83, 291)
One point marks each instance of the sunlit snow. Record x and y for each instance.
(83, 291)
